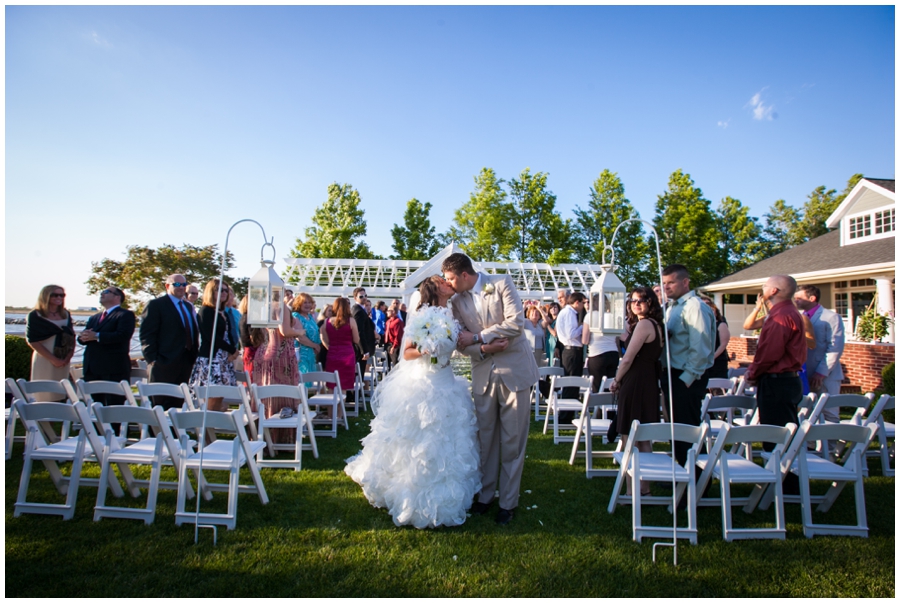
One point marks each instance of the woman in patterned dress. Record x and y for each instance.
(276, 364)
(223, 344)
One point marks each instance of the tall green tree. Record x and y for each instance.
(338, 228)
(739, 235)
(820, 204)
(483, 225)
(780, 230)
(416, 239)
(541, 234)
(687, 230)
(143, 272)
(594, 226)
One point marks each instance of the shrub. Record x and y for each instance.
(887, 377)
(18, 358)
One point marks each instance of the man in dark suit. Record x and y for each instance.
(169, 338)
(107, 343)
(365, 326)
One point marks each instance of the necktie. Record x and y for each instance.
(102, 317)
(188, 327)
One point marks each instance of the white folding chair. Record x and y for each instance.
(726, 404)
(333, 400)
(86, 446)
(591, 426)
(241, 377)
(859, 403)
(221, 455)
(730, 468)
(10, 415)
(157, 450)
(558, 404)
(360, 393)
(658, 467)
(737, 372)
(299, 422)
(182, 391)
(718, 383)
(76, 373)
(234, 396)
(379, 365)
(886, 432)
(544, 372)
(812, 467)
(57, 391)
(142, 364)
(139, 375)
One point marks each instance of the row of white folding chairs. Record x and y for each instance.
(790, 454)
(156, 450)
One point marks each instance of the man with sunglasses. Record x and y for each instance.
(107, 343)
(366, 330)
(170, 338)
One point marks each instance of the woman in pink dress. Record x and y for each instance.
(339, 335)
(276, 364)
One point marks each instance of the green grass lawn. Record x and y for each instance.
(318, 536)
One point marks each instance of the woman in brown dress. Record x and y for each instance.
(637, 378)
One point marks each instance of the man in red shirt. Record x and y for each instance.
(393, 335)
(779, 355)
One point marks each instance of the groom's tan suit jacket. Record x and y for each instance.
(501, 316)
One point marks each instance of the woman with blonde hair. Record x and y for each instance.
(222, 344)
(309, 343)
(50, 333)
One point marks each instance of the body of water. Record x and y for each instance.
(19, 329)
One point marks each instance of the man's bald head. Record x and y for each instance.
(780, 287)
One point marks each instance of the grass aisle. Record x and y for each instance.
(319, 537)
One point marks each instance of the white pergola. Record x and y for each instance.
(388, 279)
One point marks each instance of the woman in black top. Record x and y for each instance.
(222, 344)
(719, 369)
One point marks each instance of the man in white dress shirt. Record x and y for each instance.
(568, 331)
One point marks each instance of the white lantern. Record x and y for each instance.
(266, 290)
(607, 311)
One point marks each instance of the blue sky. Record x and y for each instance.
(154, 125)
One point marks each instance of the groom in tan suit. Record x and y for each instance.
(503, 371)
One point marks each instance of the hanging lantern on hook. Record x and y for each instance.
(607, 306)
(265, 307)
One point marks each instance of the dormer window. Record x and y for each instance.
(860, 226)
(876, 223)
(884, 221)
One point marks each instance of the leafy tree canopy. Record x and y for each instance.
(541, 234)
(338, 228)
(416, 239)
(483, 225)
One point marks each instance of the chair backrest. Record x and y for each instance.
(88, 389)
(151, 417)
(146, 390)
(193, 419)
(859, 402)
(560, 382)
(736, 372)
(607, 383)
(662, 432)
(322, 377)
(142, 364)
(599, 399)
(728, 402)
(261, 393)
(858, 434)
(138, 375)
(885, 402)
(241, 377)
(772, 434)
(12, 388)
(63, 389)
(40, 412)
(76, 373)
(230, 394)
(550, 371)
(721, 383)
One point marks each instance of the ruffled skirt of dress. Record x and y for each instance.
(421, 459)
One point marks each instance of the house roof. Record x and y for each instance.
(822, 255)
(881, 187)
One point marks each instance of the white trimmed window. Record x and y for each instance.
(860, 226)
(865, 226)
(884, 221)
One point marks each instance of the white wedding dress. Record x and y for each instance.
(421, 459)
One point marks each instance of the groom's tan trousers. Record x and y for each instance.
(503, 421)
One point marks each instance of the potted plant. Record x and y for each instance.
(871, 325)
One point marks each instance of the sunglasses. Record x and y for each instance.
(178, 284)
(57, 295)
(640, 300)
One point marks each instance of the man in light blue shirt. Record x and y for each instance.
(692, 335)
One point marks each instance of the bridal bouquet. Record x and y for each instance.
(433, 330)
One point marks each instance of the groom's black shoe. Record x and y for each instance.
(480, 508)
(504, 516)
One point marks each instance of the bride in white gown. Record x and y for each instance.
(421, 459)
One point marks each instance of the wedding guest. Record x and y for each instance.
(326, 313)
(309, 343)
(221, 344)
(535, 332)
(50, 333)
(379, 317)
(192, 294)
(562, 296)
(719, 369)
(340, 334)
(393, 336)
(549, 315)
(639, 372)
(276, 364)
(107, 343)
(603, 356)
(403, 314)
(366, 329)
(569, 330)
(232, 312)
(252, 339)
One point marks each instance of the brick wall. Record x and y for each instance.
(861, 362)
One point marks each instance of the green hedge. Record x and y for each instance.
(18, 358)
(887, 377)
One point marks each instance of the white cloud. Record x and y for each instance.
(97, 40)
(761, 111)
(723, 124)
